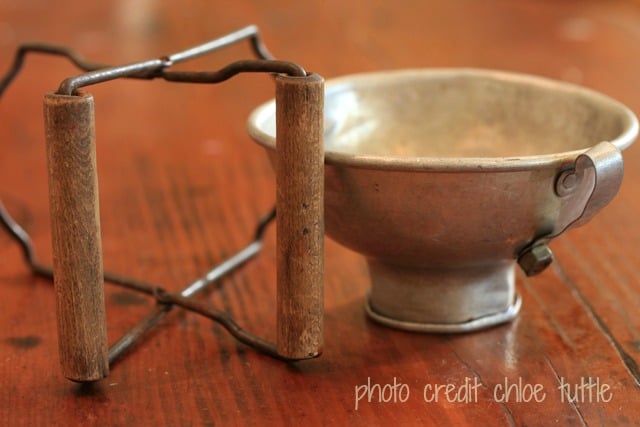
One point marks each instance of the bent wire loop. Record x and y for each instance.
(152, 69)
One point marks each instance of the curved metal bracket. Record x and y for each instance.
(583, 188)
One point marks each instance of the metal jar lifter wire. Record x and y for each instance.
(77, 260)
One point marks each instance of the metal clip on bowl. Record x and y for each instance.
(583, 189)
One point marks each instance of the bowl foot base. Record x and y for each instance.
(442, 300)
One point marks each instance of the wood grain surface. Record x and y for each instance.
(69, 123)
(299, 167)
(182, 186)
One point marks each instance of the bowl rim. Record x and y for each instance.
(266, 111)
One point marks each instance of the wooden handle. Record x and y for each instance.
(300, 221)
(75, 227)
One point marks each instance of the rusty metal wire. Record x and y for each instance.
(166, 301)
(150, 69)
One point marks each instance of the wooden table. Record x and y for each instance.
(182, 186)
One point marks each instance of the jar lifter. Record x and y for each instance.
(77, 270)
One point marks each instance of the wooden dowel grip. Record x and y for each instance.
(75, 228)
(300, 220)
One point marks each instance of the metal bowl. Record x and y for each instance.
(444, 178)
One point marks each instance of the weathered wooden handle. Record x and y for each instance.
(75, 227)
(300, 223)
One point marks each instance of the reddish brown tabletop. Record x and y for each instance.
(182, 185)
